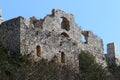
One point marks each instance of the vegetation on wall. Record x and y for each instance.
(89, 69)
(17, 67)
(114, 70)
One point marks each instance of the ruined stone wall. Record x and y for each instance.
(51, 44)
(94, 45)
(60, 21)
(54, 21)
(10, 35)
(55, 37)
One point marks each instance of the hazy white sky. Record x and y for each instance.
(100, 16)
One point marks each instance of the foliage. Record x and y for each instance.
(17, 67)
(89, 69)
(114, 69)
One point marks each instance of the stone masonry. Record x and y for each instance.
(112, 53)
(55, 37)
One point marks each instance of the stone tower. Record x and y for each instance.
(1, 19)
(112, 49)
(112, 53)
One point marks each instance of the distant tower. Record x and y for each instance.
(112, 53)
(1, 19)
(112, 49)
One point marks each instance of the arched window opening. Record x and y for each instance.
(64, 34)
(64, 23)
(38, 50)
(85, 37)
(62, 57)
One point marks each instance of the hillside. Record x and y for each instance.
(17, 67)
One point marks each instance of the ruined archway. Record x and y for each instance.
(38, 50)
(64, 34)
(85, 37)
(62, 57)
(65, 23)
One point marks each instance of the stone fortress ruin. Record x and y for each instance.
(55, 37)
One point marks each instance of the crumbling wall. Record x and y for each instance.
(58, 33)
(60, 21)
(10, 35)
(55, 37)
(51, 44)
(94, 45)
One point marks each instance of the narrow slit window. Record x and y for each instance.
(62, 57)
(38, 50)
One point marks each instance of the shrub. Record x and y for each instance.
(89, 69)
(17, 67)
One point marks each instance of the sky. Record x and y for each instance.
(100, 16)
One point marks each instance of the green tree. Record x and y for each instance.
(89, 69)
(114, 69)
